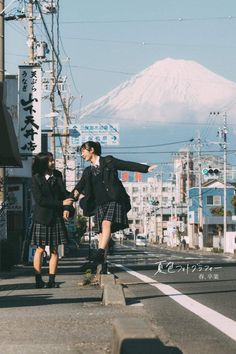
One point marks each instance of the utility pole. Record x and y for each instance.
(224, 133)
(66, 136)
(2, 69)
(189, 231)
(31, 32)
(161, 204)
(53, 105)
(200, 206)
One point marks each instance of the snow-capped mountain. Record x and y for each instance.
(168, 90)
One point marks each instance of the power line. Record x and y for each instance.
(69, 65)
(177, 19)
(144, 43)
(148, 146)
(163, 152)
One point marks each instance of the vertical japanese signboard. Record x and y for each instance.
(29, 109)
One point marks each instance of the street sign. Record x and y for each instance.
(104, 133)
(74, 134)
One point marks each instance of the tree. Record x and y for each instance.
(219, 211)
(233, 202)
(81, 223)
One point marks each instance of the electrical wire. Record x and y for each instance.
(177, 19)
(164, 152)
(69, 65)
(144, 43)
(17, 29)
(155, 145)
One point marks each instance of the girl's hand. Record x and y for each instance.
(76, 194)
(152, 168)
(68, 201)
(66, 214)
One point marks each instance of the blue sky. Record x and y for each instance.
(109, 41)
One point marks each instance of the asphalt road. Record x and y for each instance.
(190, 297)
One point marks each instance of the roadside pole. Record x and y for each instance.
(200, 206)
(224, 132)
(2, 68)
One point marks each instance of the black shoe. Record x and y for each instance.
(104, 268)
(52, 284)
(39, 282)
(101, 268)
(99, 260)
(100, 257)
(92, 265)
(40, 285)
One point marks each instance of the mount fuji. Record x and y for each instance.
(168, 91)
(163, 106)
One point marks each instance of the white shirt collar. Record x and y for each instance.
(97, 162)
(47, 176)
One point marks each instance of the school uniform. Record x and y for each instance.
(48, 227)
(105, 193)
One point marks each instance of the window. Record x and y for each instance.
(166, 217)
(213, 200)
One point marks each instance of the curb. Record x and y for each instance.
(107, 279)
(113, 293)
(134, 335)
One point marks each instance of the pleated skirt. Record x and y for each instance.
(53, 235)
(111, 211)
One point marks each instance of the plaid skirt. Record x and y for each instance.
(111, 211)
(53, 235)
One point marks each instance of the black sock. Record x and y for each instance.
(38, 277)
(100, 256)
(52, 278)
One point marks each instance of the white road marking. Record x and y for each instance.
(138, 304)
(221, 322)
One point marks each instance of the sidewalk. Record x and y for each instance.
(69, 319)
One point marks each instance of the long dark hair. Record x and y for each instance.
(40, 163)
(92, 144)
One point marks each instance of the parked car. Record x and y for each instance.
(129, 235)
(141, 240)
(119, 235)
(85, 237)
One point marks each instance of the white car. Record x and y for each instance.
(86, 236)
(118, 235)
(141, 240)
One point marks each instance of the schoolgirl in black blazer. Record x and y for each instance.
(50, 204)
(104, 194)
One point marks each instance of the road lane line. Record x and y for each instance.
(219, 321)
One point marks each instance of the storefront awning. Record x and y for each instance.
(9, 152)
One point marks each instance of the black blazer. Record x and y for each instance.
(109, 169)
(48, 198)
